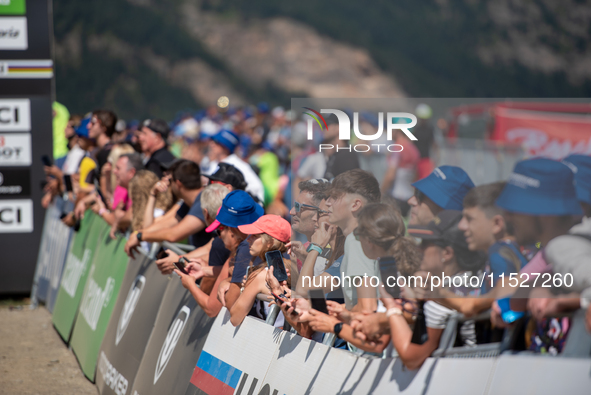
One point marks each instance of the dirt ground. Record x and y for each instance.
(34, 359)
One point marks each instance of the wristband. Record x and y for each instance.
(314, 247)
(393, 311)
(102, 211)
(337, 329)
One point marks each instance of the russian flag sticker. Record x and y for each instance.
(214, 376)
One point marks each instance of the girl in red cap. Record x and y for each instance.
(268, 233)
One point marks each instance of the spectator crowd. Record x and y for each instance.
(275, 223)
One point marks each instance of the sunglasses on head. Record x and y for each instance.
(301, 206)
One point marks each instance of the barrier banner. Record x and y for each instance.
(131, 325)
(52, 254)
(75, 273)
(177, 340)
(100, 294)
(236, 360)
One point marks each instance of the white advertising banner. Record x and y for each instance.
(15, 149)
(13, 33)
(15, 115)
(16, 216)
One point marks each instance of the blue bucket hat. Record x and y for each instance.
(446, 186)
(82, 129)
(581, 166)
(238, 208)
(226, 138)
(540, 186)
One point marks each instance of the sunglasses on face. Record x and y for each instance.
(219, 230)
(299, 207)
(420, 196)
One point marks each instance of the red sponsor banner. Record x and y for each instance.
(551, 135)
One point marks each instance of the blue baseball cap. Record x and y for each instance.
(581, 166)
(82, 129)
(540, 186)
(238, 208)
(446, 186)
(226, 138)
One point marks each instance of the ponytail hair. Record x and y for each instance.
(383, 226)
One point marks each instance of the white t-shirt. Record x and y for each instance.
(73, 160)
(254, 185)
(355, 263)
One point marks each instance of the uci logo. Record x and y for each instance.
(174, 333)
(133, 296)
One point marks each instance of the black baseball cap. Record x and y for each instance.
(228, 174)
(157, 126)
(442, 228)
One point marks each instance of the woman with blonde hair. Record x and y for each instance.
(139, 190)
(268, 233)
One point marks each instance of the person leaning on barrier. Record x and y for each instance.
(188, 222)
(229, 178)
(443, 189)
(238, 208)
(350, 192)
(304, 213)
(119, 216)
(486, 230)
(139, 192)
(211, 201)
(540, 204)
(445, 253)
(324, 260)
(268, 233)
(208, 301)
(380, 232)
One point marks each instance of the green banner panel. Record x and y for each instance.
(81, 255)
(98, 301)
(13, 7)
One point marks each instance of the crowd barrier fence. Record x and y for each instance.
(140, 333)
(53, 249)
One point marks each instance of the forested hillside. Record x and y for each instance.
(160, 56)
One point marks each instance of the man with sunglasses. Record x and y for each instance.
(304, 213)
(443, 189)
(152, 135)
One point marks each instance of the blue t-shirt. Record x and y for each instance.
(502, 259)
(242, 261)
(219, 254)
(200, 238)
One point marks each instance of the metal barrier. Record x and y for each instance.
(177, 248)
(449, 335)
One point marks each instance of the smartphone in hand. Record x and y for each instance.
(180, 264)
(46, 161)
(68, 183)
(317, 300)
(275, 259)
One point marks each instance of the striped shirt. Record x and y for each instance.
(436, 317)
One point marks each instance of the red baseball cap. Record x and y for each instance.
(273, 225)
